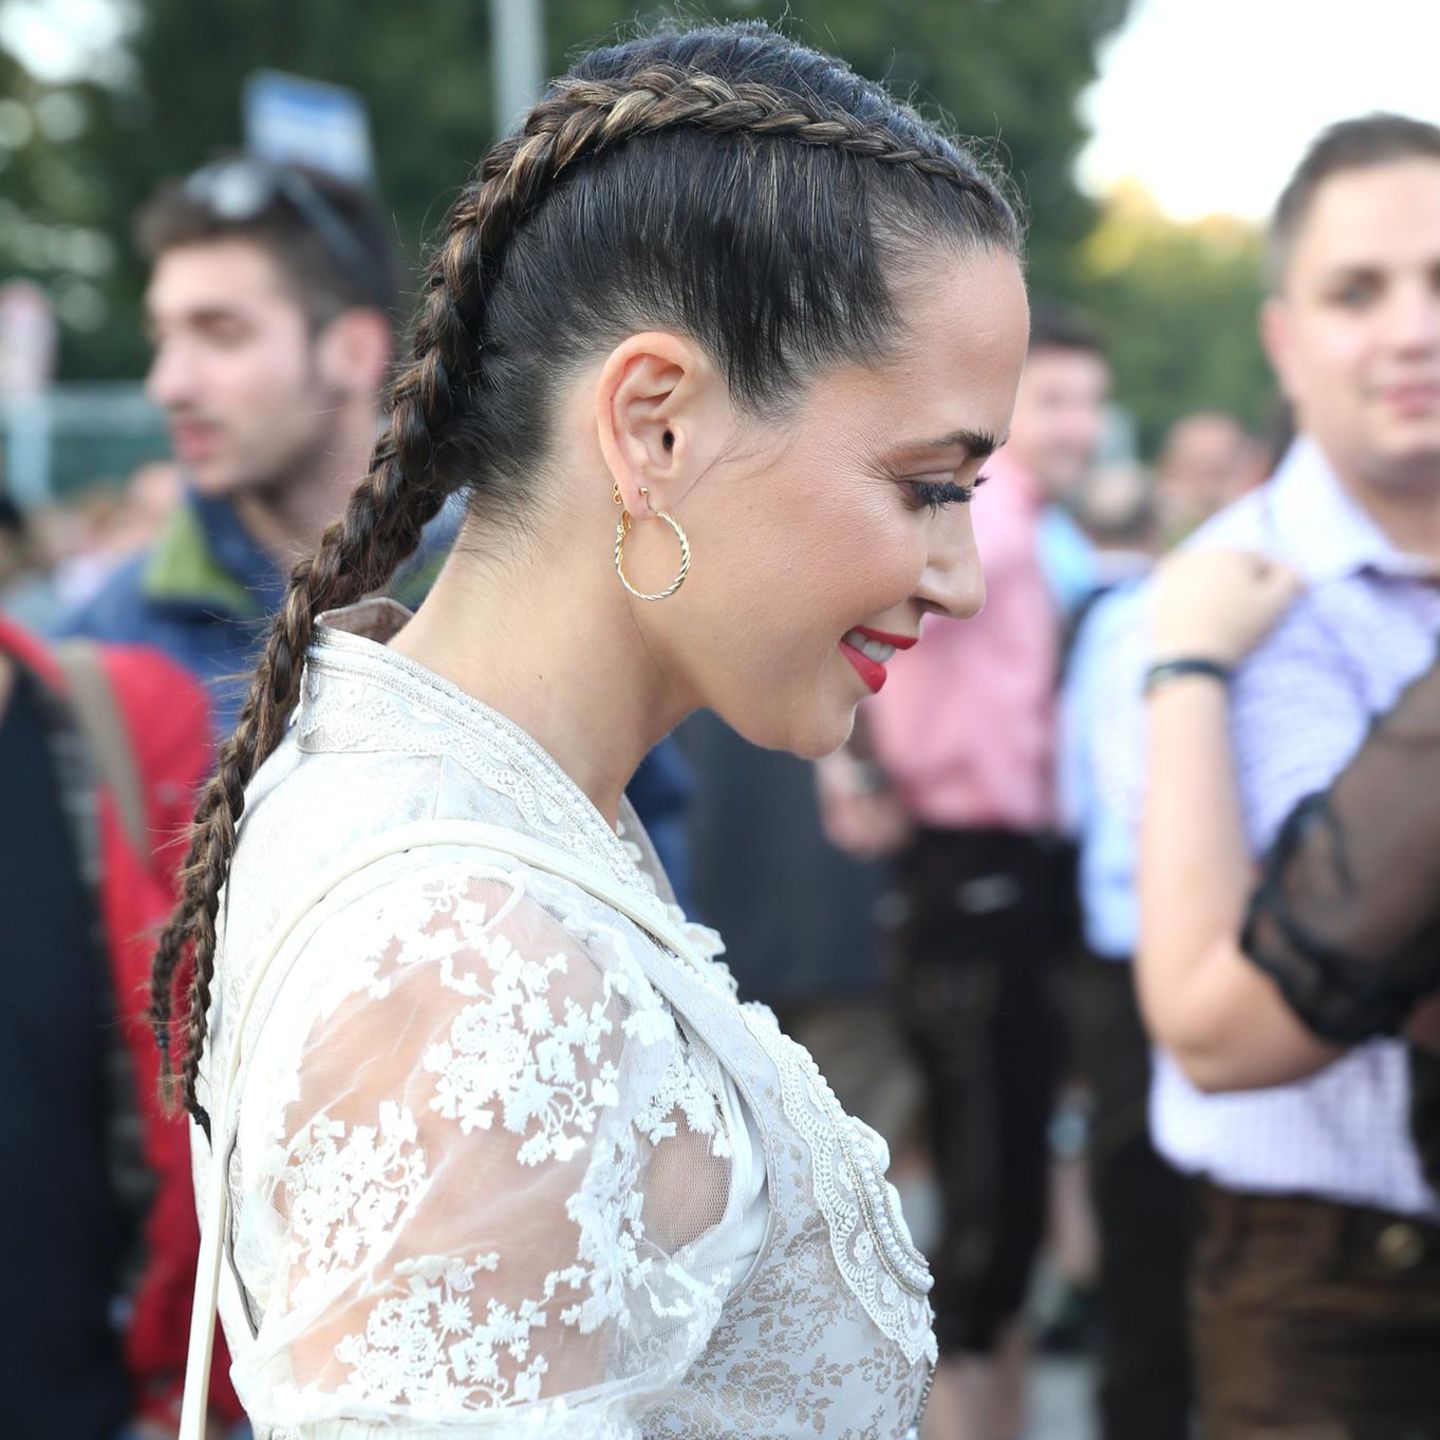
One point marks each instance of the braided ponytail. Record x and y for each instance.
(381, 526)
(544, 256)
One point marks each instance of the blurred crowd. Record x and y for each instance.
(1116, 917)
(56, 556)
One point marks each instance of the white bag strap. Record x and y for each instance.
(422, 834)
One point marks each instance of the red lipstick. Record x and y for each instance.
(900, 642)
(870, 671)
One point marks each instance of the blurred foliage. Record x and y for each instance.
(169, 98)
(422, 68)
(1179, 305)
(1006, 71)
(1176, 301)
(77, 159)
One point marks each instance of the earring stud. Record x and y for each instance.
(622, 532)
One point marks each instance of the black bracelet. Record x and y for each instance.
(1167, 670)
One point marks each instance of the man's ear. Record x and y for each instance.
(353, 352)
(1277, 338)
(661, 417)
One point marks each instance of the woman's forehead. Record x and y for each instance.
(965, 328)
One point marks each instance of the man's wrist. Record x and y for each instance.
(1170, 669)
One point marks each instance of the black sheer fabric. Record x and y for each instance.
(1425, 1112)
(1347, 916)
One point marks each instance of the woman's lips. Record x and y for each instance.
(897, 642)
(870, 650)
(872, 672)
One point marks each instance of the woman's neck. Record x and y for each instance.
(553, 648)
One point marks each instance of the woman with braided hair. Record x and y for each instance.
(714, 346)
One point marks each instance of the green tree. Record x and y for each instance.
(1179, 306)
(1004, 71)
(51, 227)
(1010, 70)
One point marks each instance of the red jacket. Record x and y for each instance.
(166, 715)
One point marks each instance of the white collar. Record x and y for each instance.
(350, 645)
(1316, 525)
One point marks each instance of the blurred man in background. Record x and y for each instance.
(1064, 404)
(271, 302)
(1141, 1204)
(954, 761)
(1207, 460)
(271, 306)
(1118, 510)
(1315, 1276)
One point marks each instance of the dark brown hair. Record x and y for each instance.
(1360, 144)
(722, 181)
(1056, 327)
(322, 282)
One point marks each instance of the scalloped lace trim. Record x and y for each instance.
(868, 1237)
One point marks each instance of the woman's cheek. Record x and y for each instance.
(900, 567)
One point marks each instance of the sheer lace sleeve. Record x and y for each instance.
(484, 1174)
(1347, 917)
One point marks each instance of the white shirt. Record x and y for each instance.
(502, 1161)
(1300, 708)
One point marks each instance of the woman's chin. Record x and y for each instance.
(819, 734)
(830, 731)
(807, 730)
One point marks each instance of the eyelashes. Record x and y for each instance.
(936, 495)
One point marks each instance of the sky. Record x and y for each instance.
(60, 40)
(1211, 103)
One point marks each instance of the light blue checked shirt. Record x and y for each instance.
(1089, 812)
(1300, 707)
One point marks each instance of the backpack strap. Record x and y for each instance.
(97, 712)
(420, 835)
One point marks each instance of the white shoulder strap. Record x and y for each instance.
(423, 834)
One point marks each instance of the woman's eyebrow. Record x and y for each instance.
(976, 443)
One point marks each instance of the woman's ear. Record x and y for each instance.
(661, 415)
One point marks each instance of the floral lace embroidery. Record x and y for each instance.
(793, 1352)
(869, 1239)
(511, 1050)
(688, 1088)
(427, 1347)
(528, 1057)
(405, 709)
(344, 1192)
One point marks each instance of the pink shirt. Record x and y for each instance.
(965, 726)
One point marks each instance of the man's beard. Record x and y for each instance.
(304, 465)
(1415, 476)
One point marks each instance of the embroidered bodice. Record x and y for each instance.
(498, 1158)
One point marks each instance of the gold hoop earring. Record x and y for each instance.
(622, 531)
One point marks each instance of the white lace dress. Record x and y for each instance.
(499, 1162)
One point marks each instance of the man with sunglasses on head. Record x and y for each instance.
(271, 307)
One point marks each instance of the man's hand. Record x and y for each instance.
(1219, 604)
